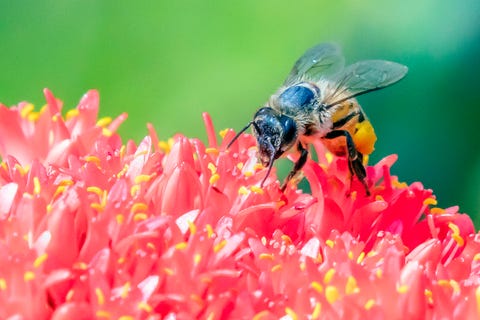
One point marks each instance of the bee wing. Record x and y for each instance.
(324, 58)
(362, 77)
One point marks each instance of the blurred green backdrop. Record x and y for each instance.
(167, 61)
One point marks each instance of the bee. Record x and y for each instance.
(318, 101)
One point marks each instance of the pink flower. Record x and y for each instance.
(91, 227)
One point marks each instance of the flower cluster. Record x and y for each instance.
(91, 227)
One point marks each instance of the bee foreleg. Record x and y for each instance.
(297, 166)
(355, 158)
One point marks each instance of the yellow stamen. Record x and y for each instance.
(100, 296)
(223, 133)
(430, 201)
(351, 286)
(214, 178)
(256, 189)
(429, 295)
(120, 218)
(361, 256)
(192, 227)
(28, 276)
(248, 173)
(107, 132)
(240, 165)
(243, 190)
(258, 166)
(212, 151)
(93, 159)
(317, 286)
(437, 210)
(455, 286)
(330, 243)
(144, 306)
(97, 206)
(317, 311)
(26, 110)
(328, 276)
(95, 190)
(20, 169)
(3, 284)
(379, 273)
(350, 255)
(39, 260)
(79, 265)
(331, 294)
(276, 268)
(126, 318)
(291, 313)
(71, 113)
(286, 239)
(168, 271)
(134, 190)
(103, 122)
(139, 207)
(36, 186)
(219, 246)
(125, 290)
(369, 304)
(181, 245)
(197, 258)
(476, 257)
(151, 246)
(265, 314)
(209, 230)
(121, 260)
(477, 297)
(266, 256)
(142, 178)
(402, 288)
(103, 314)
(212, 168)
(140, 216)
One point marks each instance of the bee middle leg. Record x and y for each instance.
(297, 166)
(355, 158)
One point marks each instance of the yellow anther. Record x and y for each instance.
(125, 290)
(430, 201)
(100, 296)
(212, 151)
(28, 276)
(97, 206)
(437, 210)
(476, 257)
(39, 260)
(266, 256)
(26, 110)
(458, 239)
(379, 198)
(80, 265)
(223, 133)
(120, 218)
(317, 286)
(3, 284)
(121, 260)
(192, 227)
(330, 243)
(181, 245)
(103, 122)
(258, 166)
(429, 295)
(219, 246)
(329, 157)
(96, 190)
(477, 297)
(351, 286)
(66, 182)
(276, 268)
(140, 216)
(209, 229)
(455, 286)
(257, 189)
(248, 173)
(360, 258)
(20, 169)
(317, 311)
(399, 185)
(142, 178)
(291, 313)
(264, 314)
(103, 314)
(126, 318)
(107, 132)
(197, 257)
(240, 165)
(168, 271)
(328, 276)
(72, 113)
(402, 288)
(212, 168)
(379, 273)
(214, 178)
(331, 294)
(151, 246)
(134, 190)
(243, 190)
(285, 238)
(369, 304)
(93, 159)
(36, 186)
(139, 207)
(122, 172)
(350, 255)
(144, 306)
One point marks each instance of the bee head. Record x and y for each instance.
(275, 134)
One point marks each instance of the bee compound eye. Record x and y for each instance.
(289, 129)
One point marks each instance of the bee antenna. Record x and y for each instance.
(239, 133)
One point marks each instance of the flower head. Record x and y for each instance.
(94, 227)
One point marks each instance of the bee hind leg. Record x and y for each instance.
(355, 158)
(297, 166)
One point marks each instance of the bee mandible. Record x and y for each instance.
(317, 101)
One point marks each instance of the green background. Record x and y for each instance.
(166, 62)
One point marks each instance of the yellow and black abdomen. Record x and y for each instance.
(350, 117)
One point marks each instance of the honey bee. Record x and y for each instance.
(317, 101)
